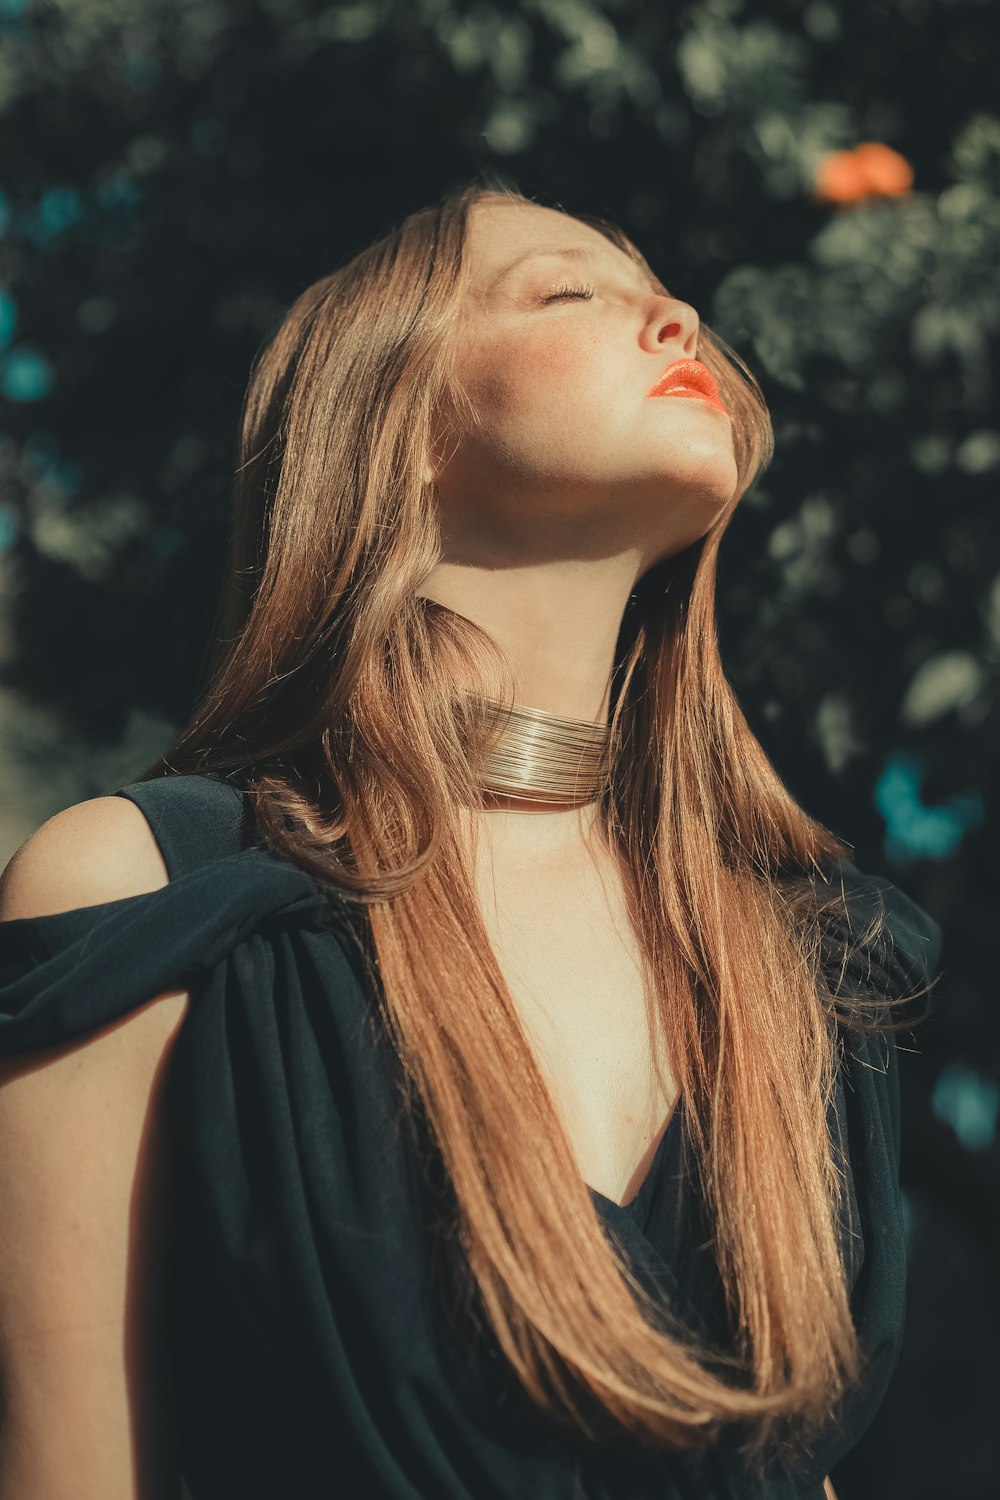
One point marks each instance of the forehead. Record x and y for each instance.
(500, 234)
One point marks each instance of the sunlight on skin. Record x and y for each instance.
(574, 482)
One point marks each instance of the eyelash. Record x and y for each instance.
(583, 292)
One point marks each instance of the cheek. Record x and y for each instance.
(527, 381)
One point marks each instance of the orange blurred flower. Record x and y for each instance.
(871, 170)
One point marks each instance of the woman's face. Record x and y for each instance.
(570, 457)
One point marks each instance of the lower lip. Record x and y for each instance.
(695, 396)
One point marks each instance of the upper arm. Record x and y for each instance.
(84, 1200)
(98, 850)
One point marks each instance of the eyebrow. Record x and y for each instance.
(568, 252)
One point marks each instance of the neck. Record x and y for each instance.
(558, 623)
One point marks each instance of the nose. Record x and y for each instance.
(671, 322)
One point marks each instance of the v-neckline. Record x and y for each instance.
(638, 1197)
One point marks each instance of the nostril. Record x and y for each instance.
(665, 333)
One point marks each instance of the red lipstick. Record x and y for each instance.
(688, 377)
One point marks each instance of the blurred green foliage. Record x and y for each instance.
(173, 172)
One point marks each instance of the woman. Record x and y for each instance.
(494, 1063)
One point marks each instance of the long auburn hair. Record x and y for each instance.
(341, 698)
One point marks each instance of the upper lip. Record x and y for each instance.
(688, 372)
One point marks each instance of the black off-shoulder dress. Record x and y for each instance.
(315, 1352)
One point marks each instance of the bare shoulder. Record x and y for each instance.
(95, 851)
(85, 1198)
(99, 850)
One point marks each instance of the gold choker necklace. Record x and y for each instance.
(544, 758)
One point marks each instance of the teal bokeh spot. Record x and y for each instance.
(140, 70)
(118, 192)
(8, 318)
(62, 480)
(914, 831)
(26, 375)
(968, 1103)
(58, 210)
(9, 527)
(40, 460)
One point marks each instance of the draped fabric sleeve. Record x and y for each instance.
(901, 959)
(64, 975)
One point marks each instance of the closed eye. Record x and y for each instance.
(583, 292)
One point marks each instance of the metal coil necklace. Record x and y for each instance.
(542, 757)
